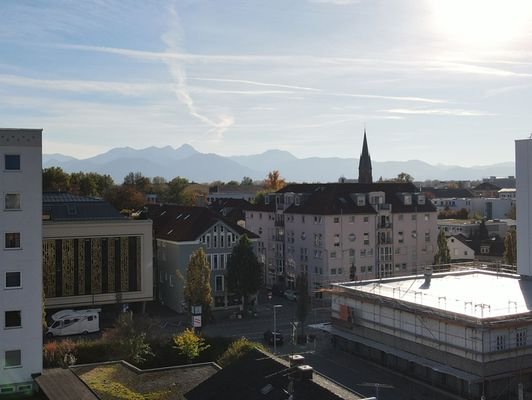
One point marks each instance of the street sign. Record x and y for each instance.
(196, 321)
(196, 310)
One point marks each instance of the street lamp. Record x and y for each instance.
(275, 307)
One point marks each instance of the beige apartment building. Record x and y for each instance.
(340, 232)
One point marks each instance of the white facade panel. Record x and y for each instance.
(523, 165)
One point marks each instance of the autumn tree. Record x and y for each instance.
(243, 271)
(303, 300)
(510, 247)
(189, 344)
(274, 181)
(443, 256)
(198, 282)
(125, 198)
(54, 179)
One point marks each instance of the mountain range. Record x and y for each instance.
(187, 162)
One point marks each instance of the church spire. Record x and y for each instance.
(364, 165)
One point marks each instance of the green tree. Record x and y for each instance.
(510, 247)
(238, 349)
(189, 345)
(198, 282)
(246, 181)
(443, 256)
(131, 342)
(54, 179)
(303, 300)
(404, 177)
(139, 181)
(243, 271)
(176, 191)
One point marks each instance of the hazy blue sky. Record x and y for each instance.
(442, 81)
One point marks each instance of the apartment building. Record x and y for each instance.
(341, 232)
(485, 207)
(20, 259)
(179, 232)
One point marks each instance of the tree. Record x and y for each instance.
(176, 190)
(246, 181)
(243, 271)
(404, 177)
(130, 341)
(54, 179)
(443, 256)
(125, 198)
(510, 247)
(136, 179)
(198, 282)
(303, 300)
(189, 345)
(238, 349)
(274, 182)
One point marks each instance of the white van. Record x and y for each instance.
(74, 322)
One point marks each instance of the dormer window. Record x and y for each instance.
(407, 200)
(421, 199)
(296, 201)
(361, 200)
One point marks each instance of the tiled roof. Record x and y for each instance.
(486, 186)
(62, 206)
(448, 193)
(337, 198)
(184, 223)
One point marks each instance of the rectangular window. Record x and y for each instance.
(12, 162)
(208, 237)
(13, 319)
(333, 254)
(366, 238)
(12, 201)
(400, 217)
(339, 271)
(351, 219)
(366, 219)
(337, 240)
(214, 241)
(520, 338)
(427, 217)
(500, 343)
(215, 261)
(13, 280)
(336, 220)
(333, 271)
(12, 358)
(219, 283)
(222, 241)
(414, 217)
(370, 268)
(427, 236)
(12, 240)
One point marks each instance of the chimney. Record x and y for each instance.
(296, 359)
(428, 277)
(305, 372)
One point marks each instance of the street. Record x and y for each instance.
(357, 374)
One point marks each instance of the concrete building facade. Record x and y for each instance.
(92, 255)
(20, 259)
(343, 231)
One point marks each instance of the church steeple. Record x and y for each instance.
(364, 165)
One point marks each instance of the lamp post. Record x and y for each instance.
(275, 307)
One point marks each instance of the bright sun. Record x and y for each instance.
(482, 23)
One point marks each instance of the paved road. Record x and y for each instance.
(342, 367)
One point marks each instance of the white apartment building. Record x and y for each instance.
(489, 208)
(20, 259)
(343, 231)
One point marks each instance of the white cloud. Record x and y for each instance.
(247, 82)
(172, 39)
(440, 111)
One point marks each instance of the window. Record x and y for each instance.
(12, 201)
(214, 241)
(427, 217)
(12, 240)
(337, 240)
(333, 271)
(13, 358)
(219, 283)
(370, 268)
(215, 261)
(366, 238)
(520, 338)
(13, 280)
(333, 254)
(366, 219)
(222, 241)
(13, 319)
(400, 217)
(500, 343)
(400, 237)
(414, 217)
(427, 236)
(12, 162)
(351, 219)
(336, 220)
(339, 271)
(302, 219)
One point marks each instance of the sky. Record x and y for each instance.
(447, 82)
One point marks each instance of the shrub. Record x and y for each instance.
(189, 344)
(236, 350)
(59, 354)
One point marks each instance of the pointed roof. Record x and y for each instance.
(364, 166)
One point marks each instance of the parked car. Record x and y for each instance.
(290, 294)
(269, 337)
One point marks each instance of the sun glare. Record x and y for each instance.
(482, 23)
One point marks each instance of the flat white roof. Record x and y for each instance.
(477, 293)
